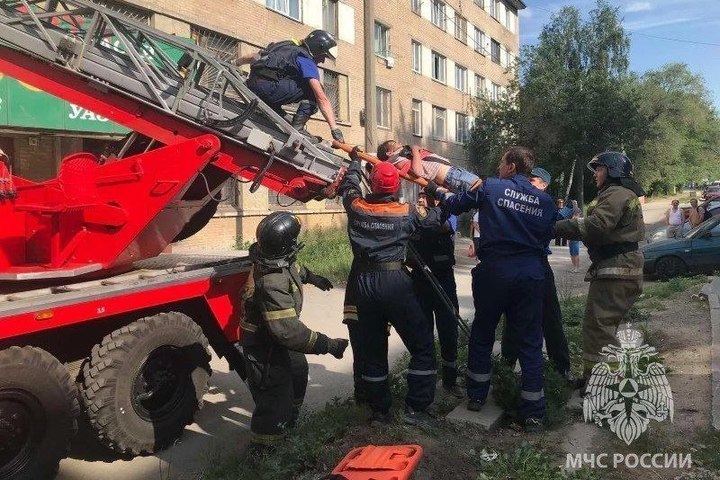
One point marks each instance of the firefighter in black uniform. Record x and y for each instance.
(436, 248)
(380, 228)
(275, 341)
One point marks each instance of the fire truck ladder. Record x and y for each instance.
(112, 52)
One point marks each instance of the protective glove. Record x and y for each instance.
(337, 346)
(318, 280)
(432, 190)
(337, 135)
(354, 154)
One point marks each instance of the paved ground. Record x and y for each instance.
(221, 428)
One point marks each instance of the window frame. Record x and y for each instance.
(341, 108)
(495, 91)
(443, 58)
(379, 107)
(416, 6)
(416, 52)
(272, 5)
(417, 117)
(495, 45)
(435, 110)
(333, 29)
(479, 47)
(386, 39)
(441, 20)
(465, 132)
(463, 37)
(463, 71)
(483, 84)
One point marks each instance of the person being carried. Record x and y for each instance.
(428, 165)
(287, 72)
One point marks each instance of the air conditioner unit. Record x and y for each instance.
(389, 62)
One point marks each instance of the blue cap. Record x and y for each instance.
(541, 173)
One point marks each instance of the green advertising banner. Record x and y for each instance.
(22, 105)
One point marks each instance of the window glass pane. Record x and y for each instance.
(330, 23)
(461, 128)
(383, 107)
(479, 85)
(460, 78)
(439, 122)
(417, 117)
(416, 57)
(438, 14)
(460, 28)
(382, 40)
(294, 11)
(438, 67)
(495, 51)
(415, 5)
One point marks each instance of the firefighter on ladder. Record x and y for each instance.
(287, 72)
(275, 341)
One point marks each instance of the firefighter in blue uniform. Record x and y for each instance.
(379, 228)
(274, 340)
(516, 220)
(436, 248)
(287, 72)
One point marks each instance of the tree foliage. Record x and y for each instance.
(574, 97)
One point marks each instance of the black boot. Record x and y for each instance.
(298, 123)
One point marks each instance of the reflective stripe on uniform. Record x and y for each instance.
(479, 377)
(449, 364)
(532, 396)
(310, 345)
(265, 438)
(374, 379)
(422, 372)
(248, 327)
(621, 271)
(350, 312)
(280, 314)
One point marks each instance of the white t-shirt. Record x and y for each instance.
(676, 216)
(476, 221)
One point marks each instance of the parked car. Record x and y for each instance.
(698, 251)
(711, 192)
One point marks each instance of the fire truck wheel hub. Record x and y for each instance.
(159, 387)
(21, 425)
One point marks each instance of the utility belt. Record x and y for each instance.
(365, 267)
(605, 252)
(266, 74)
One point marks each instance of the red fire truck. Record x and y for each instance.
(94, 320)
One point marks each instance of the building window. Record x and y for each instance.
(330, 16)
(460, 28)
(480, 3)
(510, 19)
(495, 92)
(291, 8)
(415, 6)
(495, 51)
(437, 15)
(223, 47)
(493, 8)
(461, 78)
(479, 85)
(337, 91)
(439, 115)
(383, 103)
(417, 117)
(461, 128)
(479, 38)
(438, 67)
(382, 40)
(416, 57)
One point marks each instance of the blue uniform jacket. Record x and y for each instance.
(379, 226)
(515, 219)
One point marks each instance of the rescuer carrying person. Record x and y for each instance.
(287, 72)
(380, 227)
(275, 341)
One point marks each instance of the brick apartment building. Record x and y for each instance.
(432, 57)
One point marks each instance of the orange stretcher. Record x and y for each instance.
(373, 159)
(393, 462)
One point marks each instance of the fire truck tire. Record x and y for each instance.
(38, 413)
(144, 382)
(198, 221)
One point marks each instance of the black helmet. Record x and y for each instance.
(618, 165)
(277, 235)
(320, 42)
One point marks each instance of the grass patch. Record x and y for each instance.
(327, 252)
(528, 462)
(665, 289)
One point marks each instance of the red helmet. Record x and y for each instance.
(384, 178)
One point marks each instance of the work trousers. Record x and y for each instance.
(277, 378)
(497, 289)
(608, 302)
(389, 297)
(284, 92)
(350, 318)
(438, 315)
(555, 341)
